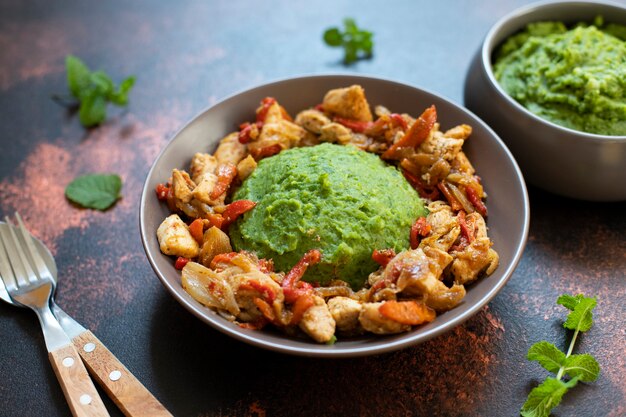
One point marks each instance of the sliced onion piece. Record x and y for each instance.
(208, 288)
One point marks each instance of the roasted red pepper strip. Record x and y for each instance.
(454, 203)
(420, 187)
(382, 257)
(292, 288)
(258, 324)
(266, 151)
(161, 191)
(319, 107)
(417, 133)
(420, 229)
(302, 304)
(215, 220)
(181, 262)
(478, 204)
(266, 103)
(398, 120)
(354, 125)
(268, 293)
(223, 258)
(266, 265)
(234, 210)
(244, 133)
(265, 309)
(226, 173)
(407, 312)
(196, 229)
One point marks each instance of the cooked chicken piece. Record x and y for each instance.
(373, 321)
(274, 113)
(459, 132)
(461, 163)
(245, 167)
(441, 146)
(230, 150)
(317, 321)
(420, 273)
(474, 259)
(175, 239)
(335, 133)
(445, 227)
(349, 103)
(310, 139)
(201, 164)
(346, 312)
(205, 187)
(381, 110)
(182, 186)
(283, 133)
(312, 120)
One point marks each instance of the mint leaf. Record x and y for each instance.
(77, 75)
(583, 366)
(543, 398)
(93, 109)
(357, 43)
(581, 317)
(97, 191)
(569, 301)
(548, 356)
(93, 91)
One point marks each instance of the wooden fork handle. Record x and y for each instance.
(81, 394)
(126, 391)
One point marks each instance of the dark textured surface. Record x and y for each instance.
(187, 56)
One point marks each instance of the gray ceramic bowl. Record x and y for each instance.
(560, 160)
(508, 201)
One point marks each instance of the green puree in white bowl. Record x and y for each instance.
(338, 199)
(573, 77)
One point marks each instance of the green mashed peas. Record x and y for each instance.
(338, 199)
(572, 77)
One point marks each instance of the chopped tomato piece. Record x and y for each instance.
(236, 209)
(161, 191)
(420, 229)
(196, 228)
(382, 257)
(302, 304)
(407, 312)
(417, 133)
(181, 262)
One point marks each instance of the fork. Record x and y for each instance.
(28, 282)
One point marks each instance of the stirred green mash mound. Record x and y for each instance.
(338, 199)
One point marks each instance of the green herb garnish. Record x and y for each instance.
(96, 191)
(357, 43)
(94, 90)
(583, 367)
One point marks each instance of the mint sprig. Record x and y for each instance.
(356, 42)
(583, 367)
(96, 191)
(93, 90)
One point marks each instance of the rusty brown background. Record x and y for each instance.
(186, 56)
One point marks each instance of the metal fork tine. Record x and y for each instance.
(20, 264)
(38, 262)
(6, 273)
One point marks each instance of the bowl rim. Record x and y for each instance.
(316, 350)
(488, 46)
